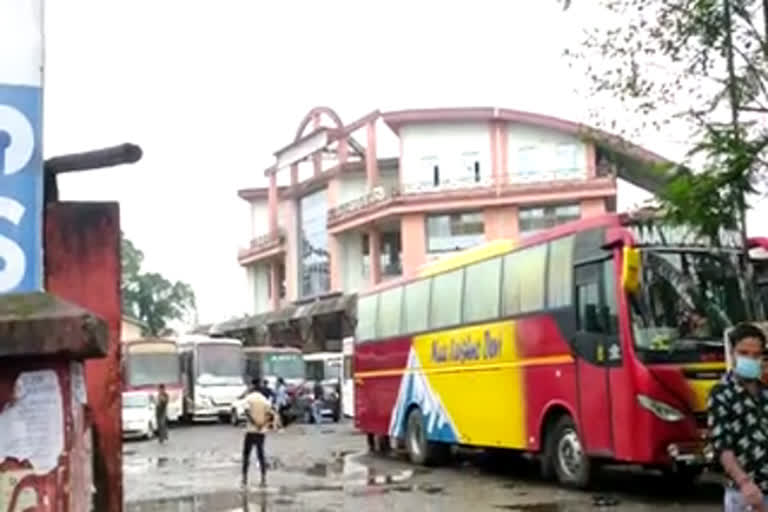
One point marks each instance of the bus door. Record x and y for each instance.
(597, 348)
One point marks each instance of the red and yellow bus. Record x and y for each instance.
(597, 341)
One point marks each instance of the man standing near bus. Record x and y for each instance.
(738, 423)
(161, 414)
(259, 414)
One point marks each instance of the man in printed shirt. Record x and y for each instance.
(259, 415)
(738, 422)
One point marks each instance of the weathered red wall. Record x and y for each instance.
(82, 265)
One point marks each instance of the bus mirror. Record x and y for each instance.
(630, 271)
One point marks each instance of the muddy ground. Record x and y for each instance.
(326, 468)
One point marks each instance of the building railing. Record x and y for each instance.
(263, 242)
(381, 195)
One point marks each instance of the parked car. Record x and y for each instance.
(138, 415)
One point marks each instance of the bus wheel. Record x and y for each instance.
(420, 449)
(565, 452)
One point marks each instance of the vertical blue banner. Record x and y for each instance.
(21, 160)
(21, 189)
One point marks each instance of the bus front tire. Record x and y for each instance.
(565, 455)
(420, 450)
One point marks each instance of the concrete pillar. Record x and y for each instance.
(343, 150)
(291, 250)
(499, 154)
(272, 203)
(591, 155)
(374, 255)
(274, 285)
(294, 175)
(592, 207)
(334, 252)
(501, 222)
(371, 163)
(413, 241)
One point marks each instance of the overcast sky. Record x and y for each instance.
(210, 89)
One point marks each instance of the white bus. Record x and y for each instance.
(149, 362)
(212, 374)
(348, 379)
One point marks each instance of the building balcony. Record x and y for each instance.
(519, 189)
(263, 247)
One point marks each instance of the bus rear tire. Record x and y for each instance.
(420, 450)
(566, 456)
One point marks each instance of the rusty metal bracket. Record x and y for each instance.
(86, 161)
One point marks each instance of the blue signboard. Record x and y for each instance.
(21, 189)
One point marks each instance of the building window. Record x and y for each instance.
(391, 253)
(314, 261)
(526, 163)
(471, 163)
(280, 280)
(430, 170)
(454, 231)
(566, 155)
(537, 218)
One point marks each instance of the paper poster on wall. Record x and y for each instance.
(33, 426)
(77, 377)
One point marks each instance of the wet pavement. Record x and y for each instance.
(325, 468)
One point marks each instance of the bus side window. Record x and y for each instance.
(597, 313)
(588, 301)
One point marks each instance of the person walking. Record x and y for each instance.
(259, 414)
(317, 403)
(161, 414)
(738, 423)
(281, 401)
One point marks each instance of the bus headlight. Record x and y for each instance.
(661, 410)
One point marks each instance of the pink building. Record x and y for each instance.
(339, 217)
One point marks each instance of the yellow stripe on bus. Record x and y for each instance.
(465, 257)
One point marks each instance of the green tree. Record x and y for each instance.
(702, 67)
(150, 297)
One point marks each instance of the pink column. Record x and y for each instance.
(592, 207)
(333, 192)
(317, 163)
(343, 150)
(374, 251)
(274, 285)
(371, 164)
(334, 254)
(272, 202)
(493, 130)
(413, 241)
(294, 174)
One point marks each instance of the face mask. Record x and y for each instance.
(747, 367)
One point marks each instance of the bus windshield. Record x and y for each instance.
(220, 364)
(287, 366)
(153, 369)
(686, 301)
